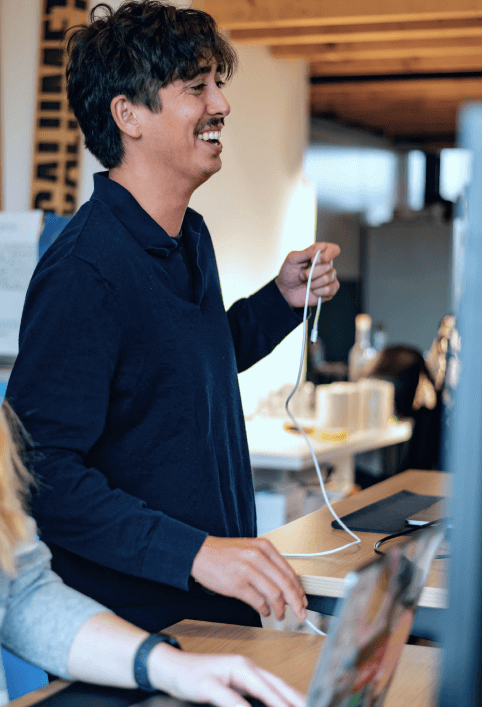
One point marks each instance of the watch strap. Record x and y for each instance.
(140, 660)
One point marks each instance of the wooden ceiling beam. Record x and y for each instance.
(409, 129)
(253, 14)
(393, 111)
(407, 65)
(374, 32)
(359, 51)
(430, 144)
(410, 118)
(434, 89)
(390, 128)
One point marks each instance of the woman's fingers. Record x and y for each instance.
(269, 688)
(219, 680)
(295, 697)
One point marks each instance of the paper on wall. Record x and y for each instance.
(19, 235)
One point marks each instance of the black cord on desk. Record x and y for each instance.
(409, 531)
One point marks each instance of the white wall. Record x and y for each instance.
(258, 207)
(19, 39)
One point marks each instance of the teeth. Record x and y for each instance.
(210, 136)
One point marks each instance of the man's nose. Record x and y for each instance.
(218, 104)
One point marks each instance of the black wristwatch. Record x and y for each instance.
(140, 661)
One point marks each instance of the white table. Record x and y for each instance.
(271, 447)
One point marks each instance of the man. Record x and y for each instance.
(126, 377)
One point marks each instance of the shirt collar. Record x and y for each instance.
(136, 220)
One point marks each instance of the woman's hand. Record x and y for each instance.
(218, 679)
(103, 653)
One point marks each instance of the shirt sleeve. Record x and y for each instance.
(60, 387)
(43, 615)
(259, 323)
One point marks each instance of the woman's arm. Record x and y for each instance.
(70, 635)
(103, 652)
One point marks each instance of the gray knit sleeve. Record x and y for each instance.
(42, 615)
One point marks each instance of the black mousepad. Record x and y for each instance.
(80, 694)
(387, 515)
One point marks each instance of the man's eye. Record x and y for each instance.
(220, 84)
(199, 87)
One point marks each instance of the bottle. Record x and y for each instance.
(361, 353)
(380, 337)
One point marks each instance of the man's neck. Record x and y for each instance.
(164, 201)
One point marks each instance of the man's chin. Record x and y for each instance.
(206, 173)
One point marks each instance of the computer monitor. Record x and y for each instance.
(462, 630)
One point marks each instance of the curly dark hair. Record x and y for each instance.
(135, 50)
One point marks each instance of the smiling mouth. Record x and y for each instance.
(212, 137)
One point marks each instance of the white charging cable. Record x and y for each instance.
(313, 338)
(314, 330)
(301, 430)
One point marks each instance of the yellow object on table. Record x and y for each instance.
(320, 435)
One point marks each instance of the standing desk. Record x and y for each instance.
(322, 577)
(292, 656)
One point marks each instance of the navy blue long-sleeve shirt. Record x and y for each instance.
(126, 380)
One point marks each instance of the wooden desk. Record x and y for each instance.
(292, 656)
(323, 576)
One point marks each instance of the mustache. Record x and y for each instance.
(211, 123)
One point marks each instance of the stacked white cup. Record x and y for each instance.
(366, 404)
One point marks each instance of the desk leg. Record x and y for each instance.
(343, 478)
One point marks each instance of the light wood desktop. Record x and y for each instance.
(293, 657)
(323, 576)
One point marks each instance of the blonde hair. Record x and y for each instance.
(15, 482)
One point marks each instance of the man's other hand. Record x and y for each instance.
(252, 570)
(295, 270)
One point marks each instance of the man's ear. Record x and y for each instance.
(124, 114)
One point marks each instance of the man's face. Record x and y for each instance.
(182, 141)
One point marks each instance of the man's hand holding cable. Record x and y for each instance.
(294, 272)
(252, 570)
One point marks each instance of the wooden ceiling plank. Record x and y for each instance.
(407, 65)
(405, 113)
(380, 55)
(378, 50)
(244, 14)
(353, 102)
(374, 118)
(361, 33)
(386, 108)
(406, 125)
(433, 88)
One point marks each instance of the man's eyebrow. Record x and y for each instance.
(207, 69)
